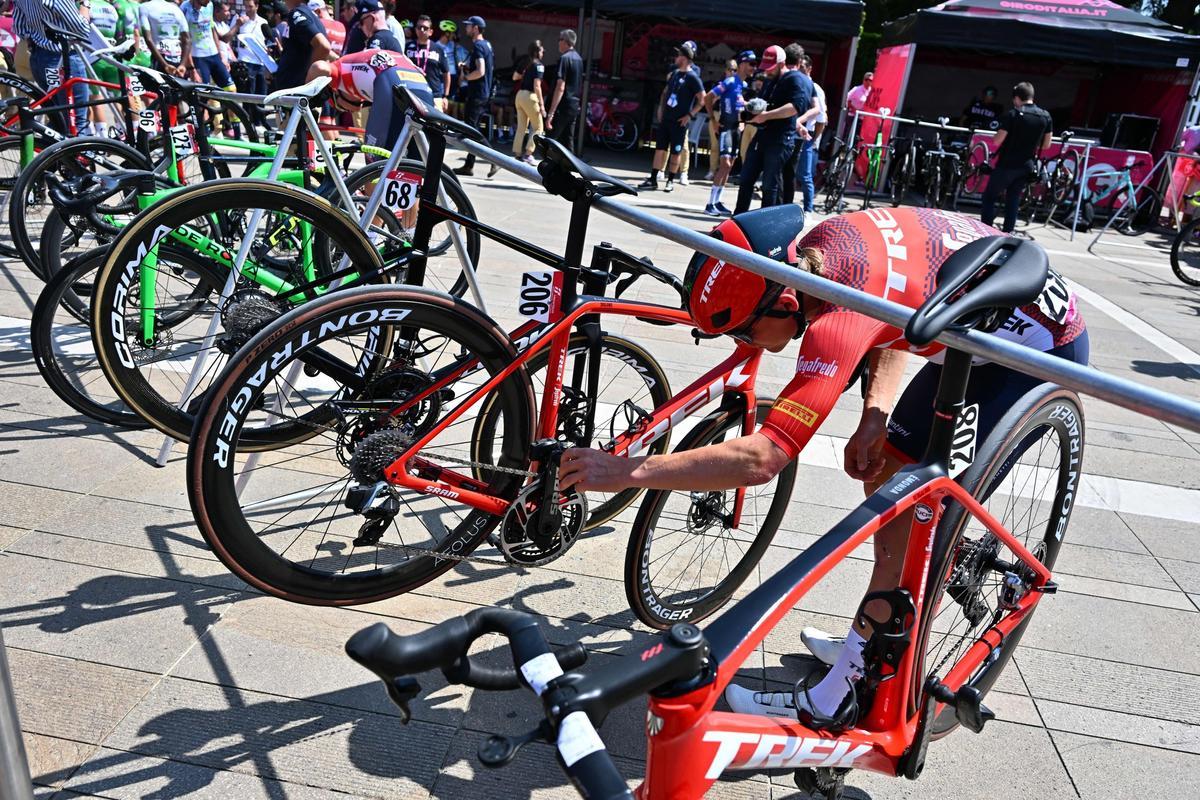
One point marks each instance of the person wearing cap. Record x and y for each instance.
(681, 100)
(790, 95)
(423, 51)
(478, 73)
(306, 42)
(376, 33)
(565, 106)
(725, 103)
(445, 41)
(334, 29)
(693, 130)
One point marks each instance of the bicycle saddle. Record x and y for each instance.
(430, 117)
(80, 194)
(979, 286)
(310, 90)
(599, 182)
(62, 34)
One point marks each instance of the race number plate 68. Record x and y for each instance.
(400, 190)
(541, 295)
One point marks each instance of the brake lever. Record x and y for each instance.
(402, 691)
(497, 751)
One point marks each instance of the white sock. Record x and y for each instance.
(714, 194)
(827, 696)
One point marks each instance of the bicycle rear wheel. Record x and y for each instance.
(1136, 218)
(1185, 253)
(280, 524)
(151, 322)
(1026, 475)
(837, 176)
(61, 338)
(684, 560)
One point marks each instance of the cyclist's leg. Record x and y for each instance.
(523, 120)
(1012, 199)
(775, 159)
(908, 432)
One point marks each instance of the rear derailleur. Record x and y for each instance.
(822, 782)
(542, 523)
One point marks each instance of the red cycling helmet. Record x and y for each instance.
(724, 298)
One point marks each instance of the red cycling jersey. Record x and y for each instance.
(894, 254)
(354, 74)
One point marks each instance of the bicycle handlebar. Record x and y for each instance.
(581, 753)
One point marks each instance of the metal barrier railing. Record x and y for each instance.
(1119, 391)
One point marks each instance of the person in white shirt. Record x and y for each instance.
(858, 97)
(809, 127)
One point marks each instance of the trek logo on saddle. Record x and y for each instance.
(771, 751)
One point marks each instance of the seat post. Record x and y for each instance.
(948, 404)
(434, 157)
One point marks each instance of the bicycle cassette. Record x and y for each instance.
(521, 539)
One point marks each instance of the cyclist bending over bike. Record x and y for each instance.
(891, 253)
(366, 78)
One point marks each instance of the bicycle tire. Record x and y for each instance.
(57, 157)
(65, 358)
(1141, 216)
(1185, 248)
(109, 326)
(646, 600)
(1066, 171)
(1045, 409)
(216, 500)
(835, 185)
(435, 278)
(976, 179)
(18, 85)
(657, 392)
(625, 136)
(902, 179)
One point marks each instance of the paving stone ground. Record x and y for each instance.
(143, 669)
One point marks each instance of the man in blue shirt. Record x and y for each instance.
(725, 103)
(445, 41)
(480, 69)
(305, 43)
(30, 18)
(789, 96)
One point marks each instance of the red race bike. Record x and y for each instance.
(978, 562)
(417, 413)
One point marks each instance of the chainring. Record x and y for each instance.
(517, 542)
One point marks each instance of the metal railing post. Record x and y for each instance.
(15, 783)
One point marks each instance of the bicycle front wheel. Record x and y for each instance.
(162, 333)
(1185, 253)
(1026, 475)
(685, 559)
(1138, 217)
(281, 522)
(393, 231)
(976, 180)
(619, 133)
(29, 204)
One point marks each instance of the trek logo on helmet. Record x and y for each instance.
(712, 278)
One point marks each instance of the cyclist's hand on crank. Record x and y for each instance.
(864, 451)
(590, 470)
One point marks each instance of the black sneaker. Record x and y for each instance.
(650, 184)
(464, 170)
(493, 170)
(711, 210)
(721, 209)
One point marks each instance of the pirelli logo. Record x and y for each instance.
(796, 411)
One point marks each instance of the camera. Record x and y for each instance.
(753, 109)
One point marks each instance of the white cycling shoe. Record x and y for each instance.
(765, 704)
(825, 647)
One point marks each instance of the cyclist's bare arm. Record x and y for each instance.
(744, 461)
(998, 139)
(1047, 139)
(864, 458)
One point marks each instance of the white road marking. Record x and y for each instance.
(1176, 350)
